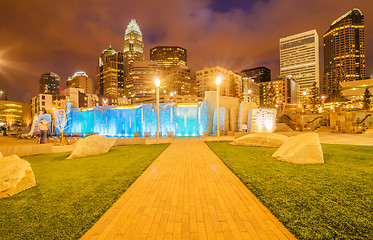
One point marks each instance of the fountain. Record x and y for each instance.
(124, 121)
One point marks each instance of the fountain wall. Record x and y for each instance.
(125, 121)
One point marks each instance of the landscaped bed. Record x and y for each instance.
(71, 195)
(316, 201)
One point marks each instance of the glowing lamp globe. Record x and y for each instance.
(157, 82)
(218, 80)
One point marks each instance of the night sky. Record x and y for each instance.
(37, 36)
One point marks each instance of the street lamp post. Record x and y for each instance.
(304, 100)
(157, 83)
(218, 81)
(248, 95)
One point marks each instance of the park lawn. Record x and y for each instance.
(71, 195)
(333, 200)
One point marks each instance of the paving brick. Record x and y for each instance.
(188, 193)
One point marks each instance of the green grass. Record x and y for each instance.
(318, 201)
(71, 195)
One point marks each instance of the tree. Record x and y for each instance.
(366, 99)
(314, 95)
(233, 87)
(27, 120)
(60, 121)
(10, 119)
(271, 97)
(336, 95)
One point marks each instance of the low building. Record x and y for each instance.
(79, 98)
(14, 113)
(231, 84)
(355, 89)
(179, 80)
(279, 92)
(44, 103)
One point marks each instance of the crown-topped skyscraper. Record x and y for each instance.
(133, 46)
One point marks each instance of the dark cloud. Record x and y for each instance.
(67, 36)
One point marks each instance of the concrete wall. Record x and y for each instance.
(26, 150)
(223, 120)
(129, 141)
(244, 113)
(262, 120)
(210, 98)
(348, 122)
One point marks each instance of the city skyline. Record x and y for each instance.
(235, 35)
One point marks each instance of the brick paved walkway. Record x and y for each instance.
(188, 193)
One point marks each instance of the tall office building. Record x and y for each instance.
(299, 57)
(81, 80)
(258, 74)
(140, 83)
(49, 83)
(133, 46)
(110, 74)
(169, 56)
(178, 80)
(344, 51)
(231, 84)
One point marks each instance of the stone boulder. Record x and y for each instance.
(16, 175)
(92, 145)
(301, 149)
(261, 140)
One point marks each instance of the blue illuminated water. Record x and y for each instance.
(181, 120)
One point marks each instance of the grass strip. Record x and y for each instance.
(71, 195)
(333, 200)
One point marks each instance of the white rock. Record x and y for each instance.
(261, 140)
(16, 175)
(92, 145)
(301, 149)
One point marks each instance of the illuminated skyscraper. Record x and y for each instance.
(81, 80)
(140, 83)
(258, 74)
(299, 57)
(133, 46)
(344, 51)
(49, 83)
(169, 56)
(110, 74)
